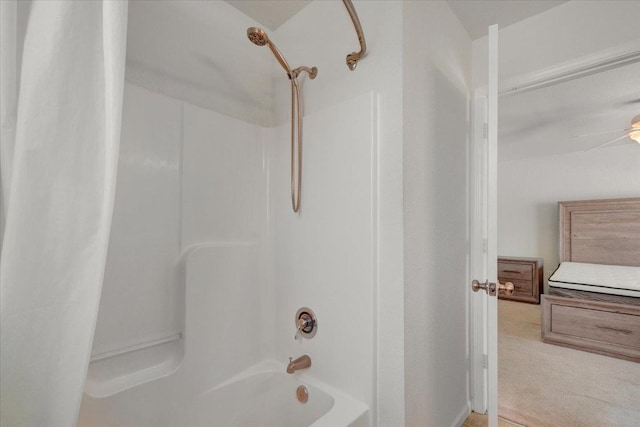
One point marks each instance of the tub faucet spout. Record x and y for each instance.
(301, 362)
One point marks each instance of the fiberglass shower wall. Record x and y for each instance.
(190, 181)
(342, 255)
(140, 316)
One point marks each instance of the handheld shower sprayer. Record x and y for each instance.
(259, 37)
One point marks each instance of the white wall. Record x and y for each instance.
(224, 179)
(529, 191)
(224, 208)
(325, 255)
(342, 255)
(436, 75)
(139, 283)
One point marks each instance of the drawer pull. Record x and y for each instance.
(512, 271)
(609, 328)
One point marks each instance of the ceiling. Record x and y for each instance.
(269, 13)
(545, 121)
(477, 15)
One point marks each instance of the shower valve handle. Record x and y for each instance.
(306, 323)
(303, 323)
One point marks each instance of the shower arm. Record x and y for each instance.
(354, 57)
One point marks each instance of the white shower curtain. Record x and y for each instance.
(59, 175)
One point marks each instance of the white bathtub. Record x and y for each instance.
(266, 397)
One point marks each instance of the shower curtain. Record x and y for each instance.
(60, 140)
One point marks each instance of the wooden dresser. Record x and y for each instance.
(526, 276)
(594, 322)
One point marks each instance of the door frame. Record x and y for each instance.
(617, 56)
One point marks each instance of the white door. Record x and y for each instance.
(484, 303)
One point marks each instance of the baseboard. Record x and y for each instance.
(462, 416)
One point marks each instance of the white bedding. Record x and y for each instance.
(608, 279)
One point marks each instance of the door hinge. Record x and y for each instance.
(485, 130)
(485, 245)
(485, 361)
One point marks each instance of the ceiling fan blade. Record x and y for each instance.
(607, 143)
(633, 101)
(627, 103)
(600, 133)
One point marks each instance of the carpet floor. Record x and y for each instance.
(545, 385)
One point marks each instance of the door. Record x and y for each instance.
(483, 302)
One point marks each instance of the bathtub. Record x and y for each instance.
(266, 397)
(263, 395)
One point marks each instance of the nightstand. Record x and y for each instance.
(526, 276)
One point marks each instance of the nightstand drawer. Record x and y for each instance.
(515, 271)
(521, 287)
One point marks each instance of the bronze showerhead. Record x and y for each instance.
(257, 36)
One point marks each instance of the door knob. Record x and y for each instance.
(476, 286)
(491, 288)
(507, 288)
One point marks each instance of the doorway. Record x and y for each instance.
(562, 141)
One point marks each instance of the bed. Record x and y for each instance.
(593, 303)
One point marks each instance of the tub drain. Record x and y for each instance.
(302, 394)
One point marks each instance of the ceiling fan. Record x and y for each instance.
(632, 132)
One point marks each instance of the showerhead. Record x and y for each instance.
(257, 36)
(260, 38)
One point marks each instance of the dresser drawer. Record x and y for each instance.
(602, 327)
(515, 271)
(520, 287)
(596, 325)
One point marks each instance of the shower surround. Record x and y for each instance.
(219, 264)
